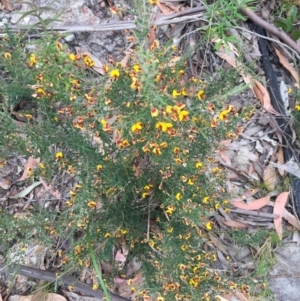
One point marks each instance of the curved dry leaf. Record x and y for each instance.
(29, 167)
(98, 66)
(49, 188)
(24, 192)
(291, 167)
(173, 61)
(151, 37)
(263, 96)
(285, 63)
(254, 205)
(125, 59)
(225, 158)
(280, 157)
(7, 5)
(226, 142)
(291, 219)
(235, 224)
(279, 207)
(221, 298)
(165, 9)
(121, 256)
(218, 243)
(246, 194)
(241, 296)
(125, 290)
(270, 177)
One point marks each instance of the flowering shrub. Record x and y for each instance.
(137, 147)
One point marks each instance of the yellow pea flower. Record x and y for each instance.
(164, 126)
(200, 94)
(178, 196)
(135, 128)
(115, 73)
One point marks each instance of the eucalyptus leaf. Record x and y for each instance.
(24, 192)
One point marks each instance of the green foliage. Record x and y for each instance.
(286, 18)
(136, 145)
(224, 15)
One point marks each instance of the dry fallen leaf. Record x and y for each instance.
(166, 10)
(291, 219)
(280, 157)
(98, 66)
(259, 90)
(291, 167)
(121, 257)
(125, 288)
(225, 158)
(279, 207)
(125, 59)
(221, 298)
(254, 205)
(7, 5)
(235, 224)
(285, 63)
(27, 190)
(270, 177)
(29, 167)
(151, 35)
(218, 243)
(49, 188)
(241, 296)
(263, 96)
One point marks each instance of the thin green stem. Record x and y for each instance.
(94, 261)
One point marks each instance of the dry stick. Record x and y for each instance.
(255, 213)
(271, 28)
(270, 39)
(51, 277)
(187, 11)
(168, 19)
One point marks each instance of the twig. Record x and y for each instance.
(254, 213)
(51, 277)
(271, 28)
(270, 39)
(187, 11)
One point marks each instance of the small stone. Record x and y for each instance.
(70, 38)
